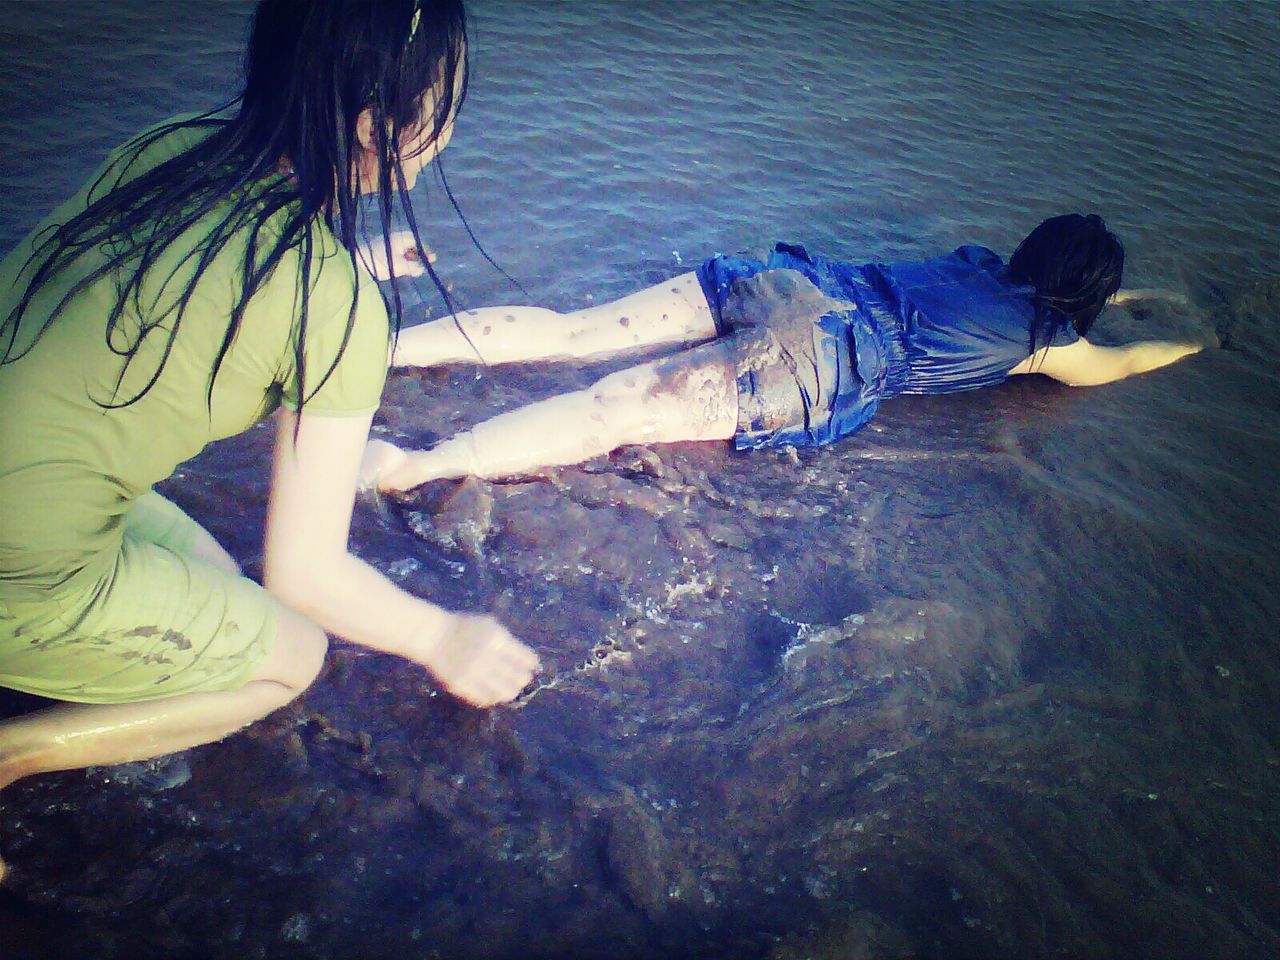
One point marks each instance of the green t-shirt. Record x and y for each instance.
(70, 468)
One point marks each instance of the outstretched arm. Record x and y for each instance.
(1083, 364)
(692, 396)
(672, 312)
(306, 564)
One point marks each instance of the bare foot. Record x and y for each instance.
(413, 468)
(380, 458)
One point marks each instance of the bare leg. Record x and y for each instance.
(691, 396)
(74, 735)
(672, 312)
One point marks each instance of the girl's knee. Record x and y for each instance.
(298, 653)
(625, 388)
(619, 404)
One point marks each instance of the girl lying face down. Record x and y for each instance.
(793, 349)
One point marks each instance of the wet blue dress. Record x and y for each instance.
(952, 323)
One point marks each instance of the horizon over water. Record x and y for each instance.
(996, 677)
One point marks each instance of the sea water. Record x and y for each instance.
(996, 677)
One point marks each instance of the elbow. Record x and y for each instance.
(296, 581)
(286, 585)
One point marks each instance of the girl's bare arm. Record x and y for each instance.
(1083, 364)
(306, 564)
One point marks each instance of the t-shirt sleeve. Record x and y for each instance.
(340, 378)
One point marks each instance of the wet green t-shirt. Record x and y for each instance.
(70, 467)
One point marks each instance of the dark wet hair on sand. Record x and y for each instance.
(271, 162)
(1076, 265)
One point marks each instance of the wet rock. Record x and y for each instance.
(648, 872)
(812, 589)
(863, 936)
(606, 490)
(639, 460)
(455, 516)
(160, 773)
(296, 929)
(726, 535)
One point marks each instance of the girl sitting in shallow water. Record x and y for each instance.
(802, 350)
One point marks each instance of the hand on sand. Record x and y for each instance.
(406, 257)
(479, 661)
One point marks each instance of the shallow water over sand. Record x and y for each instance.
(997, 677)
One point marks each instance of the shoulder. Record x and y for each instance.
(340, 277)
(334, 280)
(345, 342)
(154, 146)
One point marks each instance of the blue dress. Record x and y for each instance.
(952, 323)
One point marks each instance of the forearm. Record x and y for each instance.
(350, 599)
(473, 655)
(1153, 354)
(1083, 364)
(305, 558)
(306, 564)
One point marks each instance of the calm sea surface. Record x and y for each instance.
(997, 677)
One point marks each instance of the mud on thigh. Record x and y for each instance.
(786, 363)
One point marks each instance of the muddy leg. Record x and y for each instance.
(691, 396)
(672, 312)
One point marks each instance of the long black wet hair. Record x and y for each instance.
(283, 152)
(1075, 264)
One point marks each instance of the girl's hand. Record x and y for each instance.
(406, 258)
(479, 661)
